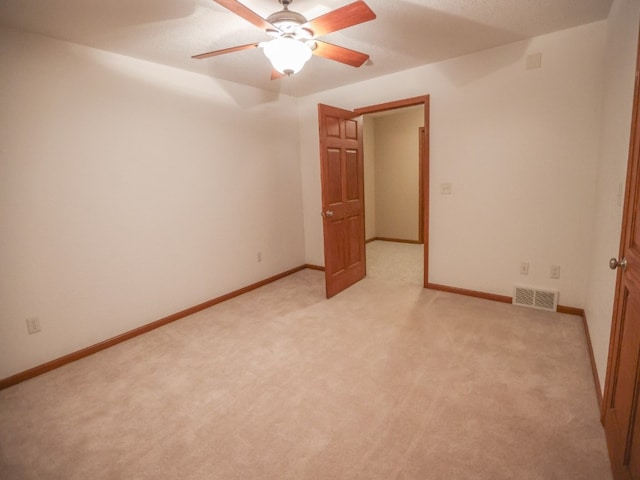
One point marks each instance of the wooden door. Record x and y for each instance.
(621, 406)
(342, 175)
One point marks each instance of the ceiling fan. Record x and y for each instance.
(295, 37)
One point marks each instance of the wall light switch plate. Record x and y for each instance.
(534, 61)
(445, 188)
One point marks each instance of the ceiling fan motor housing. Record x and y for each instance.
(288, 22)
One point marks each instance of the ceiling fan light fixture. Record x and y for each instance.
(287, 55)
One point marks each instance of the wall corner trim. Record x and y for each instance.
(561, 309)
(592, 359)
(320, 268)
(469, 293)
(85, 352)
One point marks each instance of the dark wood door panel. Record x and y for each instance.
(334, 176)
(633, 447)
(353, 174)
(342, 197)
(336, 260)
(351, 130)
(620, 410)
(354, 250)
(623, 404)
(332, 126)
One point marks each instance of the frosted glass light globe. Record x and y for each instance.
(287, 55)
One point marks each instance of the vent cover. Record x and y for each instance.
(535, 298)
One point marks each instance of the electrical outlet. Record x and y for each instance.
(524, 268)
(445, 188)
(555, 272)
(33, 325)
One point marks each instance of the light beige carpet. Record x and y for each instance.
(382, 382)
(395, 261)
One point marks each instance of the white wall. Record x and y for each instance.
(621, 48)
(130, 191)
(397, 174)
(520, 148)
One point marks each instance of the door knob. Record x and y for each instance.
(614, 263)
(329, 213)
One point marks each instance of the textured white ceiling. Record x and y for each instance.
(406, 33)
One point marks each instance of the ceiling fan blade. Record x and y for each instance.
(347, 16)
(226, 50)
(275, 74)
(246, 13)
(340, 54)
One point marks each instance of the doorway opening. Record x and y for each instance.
(342, 182)
(393, 142)
(396, 182)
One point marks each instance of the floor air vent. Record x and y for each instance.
(534, 298)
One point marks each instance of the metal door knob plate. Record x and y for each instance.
(614, 263)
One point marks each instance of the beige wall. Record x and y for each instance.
(621, 48)
(369, 133)
(397, 172)
(520, 148)
(130, 191)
